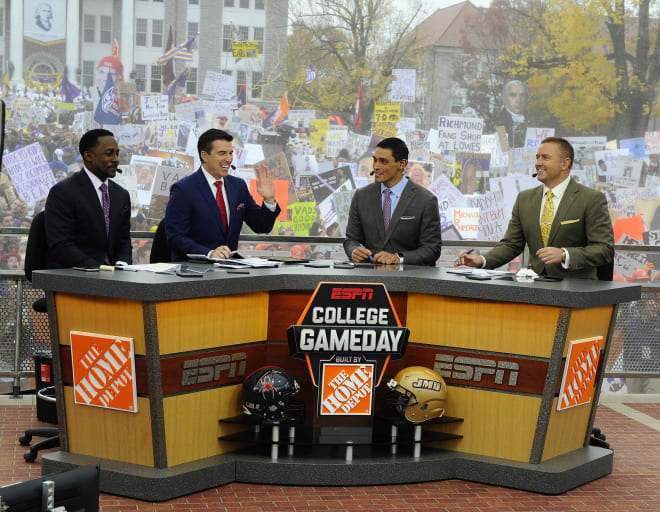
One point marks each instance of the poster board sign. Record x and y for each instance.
(29, 172)
(245, 49)
(387, 112)
(403, 85)
(219, 85)
(154, 107)
(103, 371)
(459, 134)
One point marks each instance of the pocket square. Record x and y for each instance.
(239, 206)
(569, 221)
(408, 217)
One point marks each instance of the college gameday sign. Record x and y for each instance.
(347, 333)
(103, 371)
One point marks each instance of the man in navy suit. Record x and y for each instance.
(88, 216)
(206, 210)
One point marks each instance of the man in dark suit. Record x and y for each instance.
(569, 232)
(393, 220)
(87, 215)
(206, 210)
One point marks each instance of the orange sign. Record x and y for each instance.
(346, 389)
(103, 371)
(577, 385)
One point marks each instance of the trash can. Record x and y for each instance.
(43, 377)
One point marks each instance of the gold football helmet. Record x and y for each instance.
(421, 393)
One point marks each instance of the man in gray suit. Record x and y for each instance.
(393, 220)
(566, 225)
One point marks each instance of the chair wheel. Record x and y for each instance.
(25, 440)
(29, 456)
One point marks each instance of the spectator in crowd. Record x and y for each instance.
(57, 164)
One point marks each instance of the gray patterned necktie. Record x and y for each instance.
(106, 206)
(387, 207)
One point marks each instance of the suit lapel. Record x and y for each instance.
(570, 195)
(232, 202)
(406, 198)
(91, 195)
(376, 204)
(530, 215)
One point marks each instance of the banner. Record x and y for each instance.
(44, 21)
(245, 49)
(387, 112)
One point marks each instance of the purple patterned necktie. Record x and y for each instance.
(106, 206)
(387, 206)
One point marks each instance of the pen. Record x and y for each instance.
(371, 257)
(468, 252)
(125, 269)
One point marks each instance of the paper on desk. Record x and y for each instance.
(154, 267)
(477, 272)
(247, 263)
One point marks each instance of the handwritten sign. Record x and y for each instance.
(219, 85)
(534, 136)
(403, 86)
(154, 107)
(245, 49)
(459, 134)
(387, 112)
(29, 172)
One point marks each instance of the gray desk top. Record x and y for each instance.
(151, 287)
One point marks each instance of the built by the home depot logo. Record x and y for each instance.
(347, 334)
(103, 371)
(579, 380)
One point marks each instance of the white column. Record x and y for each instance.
(127, 46)
(73, 39)
(16, 39)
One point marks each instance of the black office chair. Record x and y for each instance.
(160, 250)
(605, 272)
(35, 259)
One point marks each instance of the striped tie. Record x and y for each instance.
(387, 206)
(546, 217)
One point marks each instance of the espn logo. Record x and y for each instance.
(475, 368)
(210, 369)
(352, 294)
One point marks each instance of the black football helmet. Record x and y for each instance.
(268, 393)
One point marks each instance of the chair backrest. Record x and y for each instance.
(36, 250)
(160, 251)
(605, 272)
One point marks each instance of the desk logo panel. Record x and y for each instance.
(103, 371)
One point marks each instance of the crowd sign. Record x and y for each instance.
(460, 134)
(403, 85)
(219, 85)
(387, 112)
(534, 136)
(154, 107)
(245, 49)
(347, 333)
(466, 222)
(29, 172)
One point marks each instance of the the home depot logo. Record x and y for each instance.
(577, 385)
(103, 371)
(346, 389)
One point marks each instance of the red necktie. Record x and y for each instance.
(221, 204)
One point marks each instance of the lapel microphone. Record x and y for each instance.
(535, 174)
(372, 173)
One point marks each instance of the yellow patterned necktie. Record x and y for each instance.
(546, 217)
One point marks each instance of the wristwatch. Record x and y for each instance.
(400, 257)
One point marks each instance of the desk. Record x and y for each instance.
(511, 435)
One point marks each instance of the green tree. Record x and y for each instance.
(348, 41)
(590, 64)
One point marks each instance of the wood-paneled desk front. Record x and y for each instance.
(512, 433)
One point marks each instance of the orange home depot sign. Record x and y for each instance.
(103, 371)
(579, 380)
(347, 389)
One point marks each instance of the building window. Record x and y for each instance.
(243, 33)
(193, 29)
(241, 76)
(105, 35)
(245, 4)
(191, 84)
(156, 77)
(89, 20)
(140, 32)
(140, 76)
(259, 37)
(88, 73)
(2, 22)
(257, 79)
(226, 38)
(229, 3)
(259, 4)
(157, 33)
